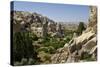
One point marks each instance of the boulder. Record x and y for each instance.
(66, 45)
(93, 50)
(72, 47)
(61, 56)
(90, 44)
(84, 37)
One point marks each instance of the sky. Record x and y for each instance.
(56, 12)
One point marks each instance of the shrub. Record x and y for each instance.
(31, 61)
(44, 56)
(45, 49)
(24, 61)
(51, 49)
(81, 27)
(22, 46)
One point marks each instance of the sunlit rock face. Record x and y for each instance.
(93, 19)
(93, 16)
(81, 48)
(36, 23)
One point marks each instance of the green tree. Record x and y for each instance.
(81, 27)
(22, 46)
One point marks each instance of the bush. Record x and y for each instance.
(45, 49)
(86, 56)
(51, 49)
(22, 46)
(31, 61)
(54, 42)
(44, 56)
(24, 61)
(17, 63)
(81, 27)
(35, 38)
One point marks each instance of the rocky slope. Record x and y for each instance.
(26, 19)
(34, 22)
(81, 48)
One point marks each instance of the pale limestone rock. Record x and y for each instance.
(66, 45)
(84, 37)
(90, 44)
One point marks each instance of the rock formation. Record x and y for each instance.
(40, 25)
(81, 48)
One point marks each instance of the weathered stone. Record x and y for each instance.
(93, 50)
(70, 59)
(93, 16)
(84, 37)
(72, 47)
(36, 23)
(74, 35)
(90, 44)
(66, 45)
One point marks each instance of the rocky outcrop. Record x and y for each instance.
(36, 23)
(60, 56)
(81, 48)
(93, 16)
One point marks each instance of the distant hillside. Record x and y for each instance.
(34, 22)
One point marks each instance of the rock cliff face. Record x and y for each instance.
(36, 23)
(81, 48)
(93, 16)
